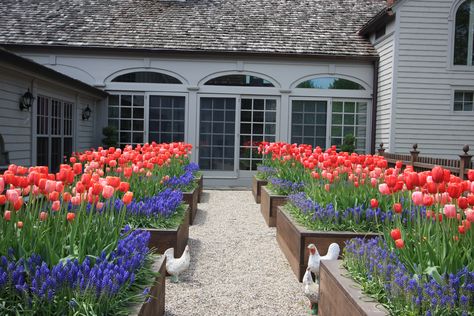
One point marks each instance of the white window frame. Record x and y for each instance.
(452, 31)
(455, 89)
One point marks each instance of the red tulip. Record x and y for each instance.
(70, 217)
(437, 174)
(7, 215)
(124, 187)
(56, 206)
(127, 198)
(3, 199)
(374, 203)
(397, 207)
(399, 243)
(19, 224)
(396, 234)
(462, 229)
(466, 224)
(463, 203)
(18, 204)
(454, 190)
(470, 175)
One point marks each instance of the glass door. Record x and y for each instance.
(309, 121)
(166, 118)
(217, 135)
(258, 122)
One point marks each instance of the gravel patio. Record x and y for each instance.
(236, 267)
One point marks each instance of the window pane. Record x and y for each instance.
(167, 118)
(146, 77)
(42, 151)
(330, 83)
(461, 37)
(56, 154)
(239, 80)
(126, 100)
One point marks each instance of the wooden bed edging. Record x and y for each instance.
(177, 238)
(340, 295)
(294, 239)
(257, 188)
(269, 205)
(200, 183)
(191, 198)
(156, 305)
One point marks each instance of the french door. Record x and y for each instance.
(230, 130)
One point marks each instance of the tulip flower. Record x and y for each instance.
(19, 224)
(462, 229)
(417, 198)
(7, 216)
(70, 217)
(127, 198)
(449, 210)
(396, 234)
(374, 203)
(107, 192)
(56, 206)
(43, 216)
(437, 174)
(463, 203)
(399, 243)
(469, 214)
(2, 184)
(397, 207)
(384, 189)
(3, 199)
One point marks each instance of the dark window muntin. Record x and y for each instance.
(239, 81)
(330, 83)
(147, 77)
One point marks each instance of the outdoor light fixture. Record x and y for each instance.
(26, 100)
(86, 113)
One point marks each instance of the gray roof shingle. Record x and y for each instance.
(300, 27)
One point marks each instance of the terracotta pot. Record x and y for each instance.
(257, 188)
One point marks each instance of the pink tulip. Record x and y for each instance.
(56, 205)
(107, 192)
(449, 210)
(417, 197)
(99, 205)
(384, 189)
(472, 187)
(373, 182)
(75, 200)
(469, 214)
(12, 195)
(50, 186)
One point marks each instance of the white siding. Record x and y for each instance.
(385, 48)
(426, 81)
(15, 125)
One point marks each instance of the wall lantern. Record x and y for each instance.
(86, 113)
(26, 100)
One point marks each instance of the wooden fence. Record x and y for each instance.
(458, 167)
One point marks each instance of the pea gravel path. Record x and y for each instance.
(236, 267)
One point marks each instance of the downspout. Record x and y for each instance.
(374, 105)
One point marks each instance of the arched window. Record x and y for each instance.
(330, 83)
(239, 80)
(146, 77)
(463, 34)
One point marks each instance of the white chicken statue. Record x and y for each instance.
(315, 259)
(311, 290)
(176, 266)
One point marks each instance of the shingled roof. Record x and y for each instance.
(299, 27)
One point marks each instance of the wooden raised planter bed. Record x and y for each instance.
(191, 198)
(177, 238)
(340, 295)
(199, 181)
(257, 188)
(269, 205)
(156, 305)
(294, 239)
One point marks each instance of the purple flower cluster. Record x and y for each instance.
(421, 294)
(192, 167)
(286, 186)
(265, 172)
(363, 218)
(163, 204)
(180, 182)
(104, 276)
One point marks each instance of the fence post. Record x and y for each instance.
(381, 150)
(414, 154)
(465, 162)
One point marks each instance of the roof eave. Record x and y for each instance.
(31, 66)
(362, 57)
(381, 19)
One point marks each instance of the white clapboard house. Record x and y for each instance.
(224, 75)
